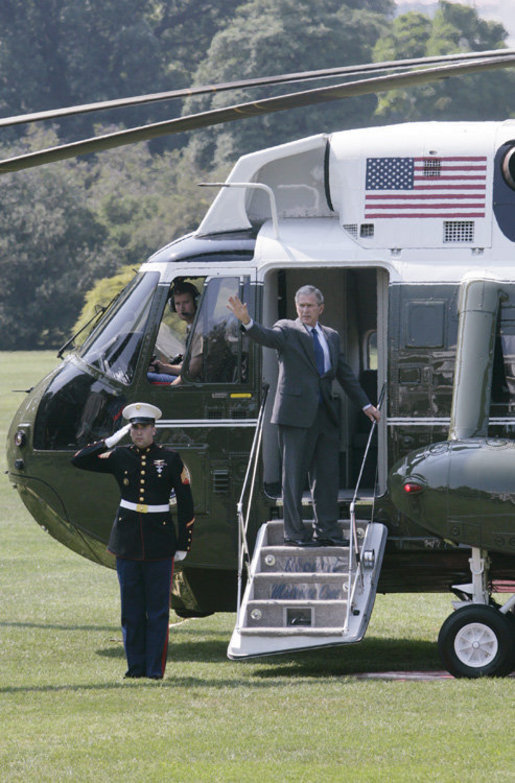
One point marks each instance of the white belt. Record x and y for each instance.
(143, 508)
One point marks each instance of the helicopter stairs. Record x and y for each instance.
(298, 598)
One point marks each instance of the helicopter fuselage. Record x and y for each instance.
(391, 224)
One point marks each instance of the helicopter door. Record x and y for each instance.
(355, 305)
(209, 404)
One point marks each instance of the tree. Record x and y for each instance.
(274, 36)
(50, 252)
(57, 53)
(455, 28)
(144, 201)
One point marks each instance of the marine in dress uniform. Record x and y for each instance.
(143, 535)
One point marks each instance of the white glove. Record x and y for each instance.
(180, 554)
(112, 440)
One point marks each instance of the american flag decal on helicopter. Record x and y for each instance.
(447, 187)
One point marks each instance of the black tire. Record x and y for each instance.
(477, 641)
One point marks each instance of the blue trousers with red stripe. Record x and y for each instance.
(145, 603)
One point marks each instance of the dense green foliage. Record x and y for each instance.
(454, 28)
(70, 223)
(284, 36)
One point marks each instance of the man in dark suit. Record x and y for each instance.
(310, 357)
(143, 536)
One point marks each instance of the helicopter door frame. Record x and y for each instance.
(383, 283)
(271, 295)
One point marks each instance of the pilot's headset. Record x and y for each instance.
(183, 287)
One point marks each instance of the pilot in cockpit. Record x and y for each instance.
(184, 297)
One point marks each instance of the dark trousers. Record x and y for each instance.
(145, 603)
(312, 452)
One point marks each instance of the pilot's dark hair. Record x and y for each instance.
(183, 287)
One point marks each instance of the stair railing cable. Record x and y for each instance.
(243, 518)
(354, 550)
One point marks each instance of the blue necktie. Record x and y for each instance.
(319, 353)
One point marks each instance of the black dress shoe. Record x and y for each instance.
(299, 542)
(333, 541)
(133, 674)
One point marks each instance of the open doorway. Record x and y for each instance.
(355, 305)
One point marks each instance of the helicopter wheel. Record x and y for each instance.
(478, 641)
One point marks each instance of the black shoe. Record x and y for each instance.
(299, 542)
(333, 541)
(133, 674)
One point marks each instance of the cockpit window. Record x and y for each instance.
(218, 349)
(114, 347)
(199, 340)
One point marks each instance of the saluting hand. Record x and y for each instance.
(239, 309)
(112, 440)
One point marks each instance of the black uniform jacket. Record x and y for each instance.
(145, 477)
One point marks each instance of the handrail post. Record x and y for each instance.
(354, 550)
(243, 549)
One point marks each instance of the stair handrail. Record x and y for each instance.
(243, 519)
(354, 550)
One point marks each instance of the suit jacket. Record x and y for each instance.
(299, 385)
(144, 476)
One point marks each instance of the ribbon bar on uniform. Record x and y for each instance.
(143, 508)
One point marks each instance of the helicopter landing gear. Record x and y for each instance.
(478, 639)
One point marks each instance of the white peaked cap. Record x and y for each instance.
(141, 413)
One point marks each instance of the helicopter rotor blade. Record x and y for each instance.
(286, 78)
(252, 109)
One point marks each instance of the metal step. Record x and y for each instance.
(288, 632)
(275, 532)
(300, 586)
(298, 598)
(289, 614)
(325, 559)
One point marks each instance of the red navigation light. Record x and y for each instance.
(412, 488)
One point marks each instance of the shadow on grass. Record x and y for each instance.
(372, 655)
(60, 627)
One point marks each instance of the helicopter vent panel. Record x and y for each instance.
(432, 167)
(366, 230)
(220, 482)
(352, 229)
(214, 413)
(458, 231)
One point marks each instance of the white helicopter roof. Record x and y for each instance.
(384, 185)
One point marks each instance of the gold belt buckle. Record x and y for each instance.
(142, 508)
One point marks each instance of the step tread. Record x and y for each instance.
(318, 551)
(292, 630)
(301, 576)
(257, 602)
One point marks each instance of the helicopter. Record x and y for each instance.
(408, 231)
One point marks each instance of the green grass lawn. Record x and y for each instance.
(67, 714)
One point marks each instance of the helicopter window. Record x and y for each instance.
(114, 347)
(76, 409)
(173, 340)
(508, 167)
(216, 337)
